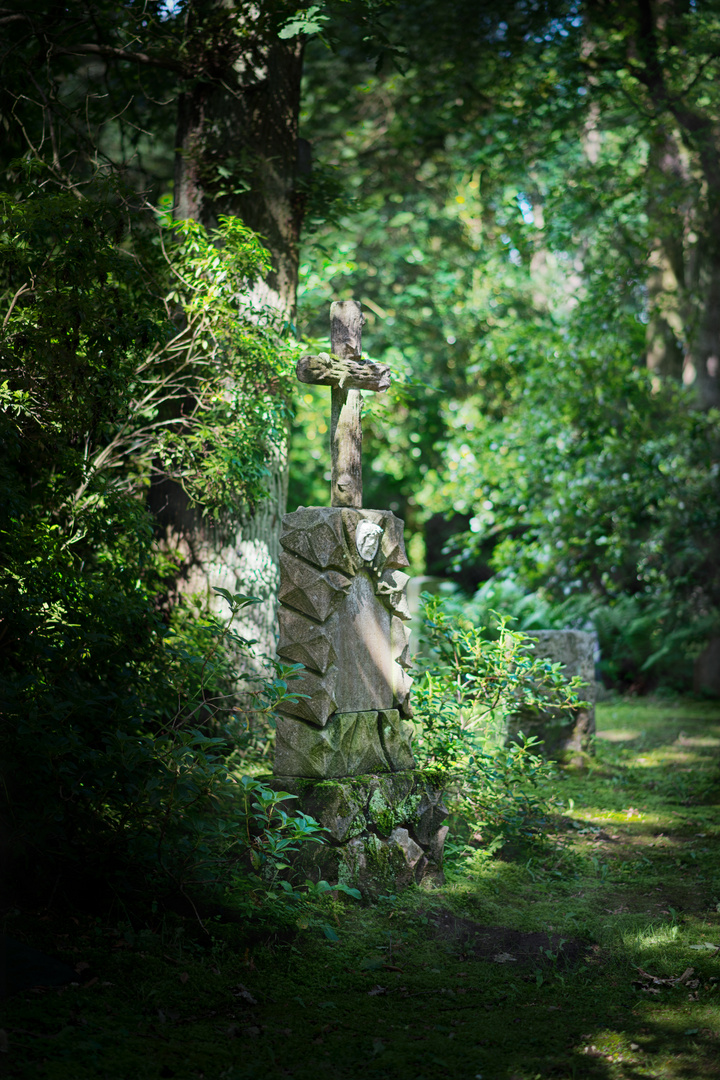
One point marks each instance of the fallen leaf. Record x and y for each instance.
(183, 977)
(244, 994)
(377, 990)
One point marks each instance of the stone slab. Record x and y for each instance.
(349, 745)
(565, 732)
(362, 645)
(342, 615)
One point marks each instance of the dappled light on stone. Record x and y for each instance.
(343, 615)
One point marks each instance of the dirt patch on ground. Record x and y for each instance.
(501, 945)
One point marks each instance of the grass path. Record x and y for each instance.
(586, 974)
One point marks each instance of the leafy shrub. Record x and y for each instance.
(643, 645)
(122, 349)
(468, 688)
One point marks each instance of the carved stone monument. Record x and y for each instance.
(343, 747)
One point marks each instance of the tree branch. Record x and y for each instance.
(110, 52)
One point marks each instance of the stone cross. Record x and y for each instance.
(343, 745)
(347, 373)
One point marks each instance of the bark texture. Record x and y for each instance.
(684, 280)
(237, 154)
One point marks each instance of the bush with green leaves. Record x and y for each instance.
(643, 644)
(127, 351)
(468, 687)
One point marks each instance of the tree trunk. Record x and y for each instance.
(688, 142)
(237, 154)
(667, 300)
(683, 283)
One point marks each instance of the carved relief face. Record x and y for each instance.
(367, 538)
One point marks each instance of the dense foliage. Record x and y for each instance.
(109, 355)
(536, 251)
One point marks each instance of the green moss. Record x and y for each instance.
(381, 813)
(385, 866)
(630, 870)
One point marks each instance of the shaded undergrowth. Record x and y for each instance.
(603, 962)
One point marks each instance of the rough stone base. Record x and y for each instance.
(384, 831)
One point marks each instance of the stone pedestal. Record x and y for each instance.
(384, 831)
(343, 614)
(566, 733)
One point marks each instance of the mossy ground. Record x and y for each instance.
(630, 879)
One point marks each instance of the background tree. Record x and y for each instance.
(216, 87)
(523, 211)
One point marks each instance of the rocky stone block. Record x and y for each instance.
(395, 737)
(317, 703)
(348, 746)
(430, 813)
(306, 589)
(317, 535)
(566, 733)
(351, 744)
(302, 641)
(379, 829)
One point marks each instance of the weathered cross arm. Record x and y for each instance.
(346, 373)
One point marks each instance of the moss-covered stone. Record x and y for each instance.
(383, 830)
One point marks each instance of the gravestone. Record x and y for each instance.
(343, 747)
(706, 673)
(566, 733)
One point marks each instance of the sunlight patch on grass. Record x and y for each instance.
(617, 734)
(654, 936)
